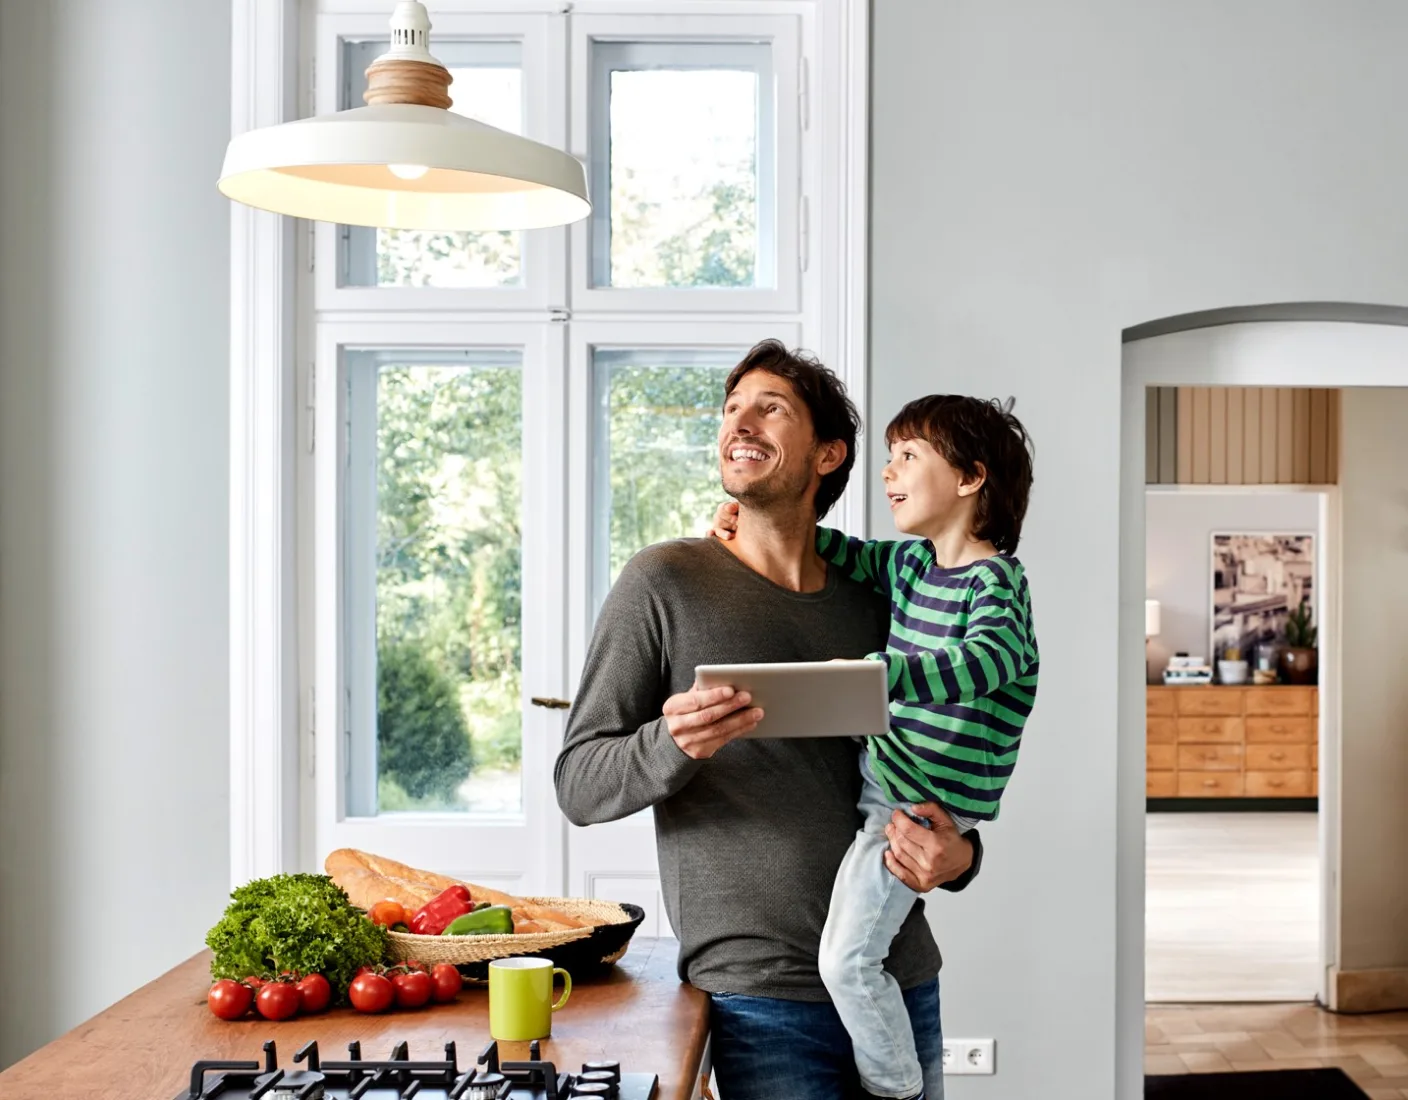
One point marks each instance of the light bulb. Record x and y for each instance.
(408, 171)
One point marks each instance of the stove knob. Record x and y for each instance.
(600, 1077)
(591, 1088)
(486, 1086)
(612, 1068)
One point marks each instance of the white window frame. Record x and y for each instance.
(282, 271)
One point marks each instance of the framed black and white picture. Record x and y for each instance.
(1257, 580)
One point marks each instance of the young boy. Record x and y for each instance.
(962, 663)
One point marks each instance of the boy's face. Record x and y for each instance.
(927, 495)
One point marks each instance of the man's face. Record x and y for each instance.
(768, 450)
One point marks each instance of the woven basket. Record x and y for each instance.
(479, 949)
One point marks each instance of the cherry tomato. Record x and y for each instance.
(371, 992)
(447, 981)
(413, 989)
(314, 994)
(229, 999)
(254, 981)
(277, 1001)
(388, 912)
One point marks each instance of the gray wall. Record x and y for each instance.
(114, 255)
(1044, 176)
(1179, 527)
(1374, 690)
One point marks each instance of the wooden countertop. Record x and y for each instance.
(142, 1047)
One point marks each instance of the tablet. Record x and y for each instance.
(810, 698)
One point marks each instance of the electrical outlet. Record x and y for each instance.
(968, 1057)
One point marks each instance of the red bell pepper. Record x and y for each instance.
(432, 918)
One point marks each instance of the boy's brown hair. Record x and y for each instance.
(973, 432)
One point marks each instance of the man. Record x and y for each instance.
(751, 832)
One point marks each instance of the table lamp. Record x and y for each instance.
(1152, 623)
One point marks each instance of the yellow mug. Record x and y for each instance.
(520, 997)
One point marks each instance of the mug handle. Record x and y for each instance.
(566, 986)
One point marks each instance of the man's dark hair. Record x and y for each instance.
(834, 417)
(970, 432)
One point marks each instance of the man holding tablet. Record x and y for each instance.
(751, 830)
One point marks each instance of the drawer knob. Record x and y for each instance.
(1278, 756)
(1209, 782)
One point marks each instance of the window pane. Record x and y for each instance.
(683, 151)
(445, 728)
(488, 86)
(656, 440)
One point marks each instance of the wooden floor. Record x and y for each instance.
(1232, 907)
(1373, 1050)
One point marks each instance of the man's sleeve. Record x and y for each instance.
(962, 881)
(618, 757)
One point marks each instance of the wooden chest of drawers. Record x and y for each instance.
(1232, 742)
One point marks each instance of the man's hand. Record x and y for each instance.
(925, 858)
(725, 521)
(704, 720)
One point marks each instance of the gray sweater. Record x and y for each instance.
(749, 841)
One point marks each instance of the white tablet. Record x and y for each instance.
(810, 698)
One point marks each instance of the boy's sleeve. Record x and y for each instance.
(868, 561)
(996, 651)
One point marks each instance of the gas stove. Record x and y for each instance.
(400, 1078)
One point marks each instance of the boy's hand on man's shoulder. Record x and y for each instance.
(725, 521)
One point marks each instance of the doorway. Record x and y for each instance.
(1304, 347)
(1240, 481)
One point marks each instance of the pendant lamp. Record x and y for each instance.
(405, 161)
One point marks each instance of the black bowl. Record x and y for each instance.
(582, 958)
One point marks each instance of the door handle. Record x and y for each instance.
(550, 703)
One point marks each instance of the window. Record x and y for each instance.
(500, 420)
(656, 461)
(683, 155)
(434, 568)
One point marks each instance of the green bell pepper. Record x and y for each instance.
(493, 920)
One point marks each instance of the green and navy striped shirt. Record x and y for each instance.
(962, 659)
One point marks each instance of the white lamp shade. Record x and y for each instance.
(1151, 618)
(335, 168)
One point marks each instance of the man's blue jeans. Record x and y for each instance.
(769, 1049)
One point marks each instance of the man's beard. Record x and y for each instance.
(780, 487)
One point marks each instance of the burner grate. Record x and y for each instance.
(399, 1077)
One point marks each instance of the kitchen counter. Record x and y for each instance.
(639, 1014)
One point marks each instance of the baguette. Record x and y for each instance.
(369, 878)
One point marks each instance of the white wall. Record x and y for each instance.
(1044, 176)
(1374, 690)
(114, 256)
(1179, 525)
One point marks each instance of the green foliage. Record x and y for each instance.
(662, 426)
(1300, 630)
(449, 564)
(413, 257)
(303, 923)
(421, 734)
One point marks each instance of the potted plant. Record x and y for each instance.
(1299, 660)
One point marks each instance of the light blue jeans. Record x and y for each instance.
(868, 906)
